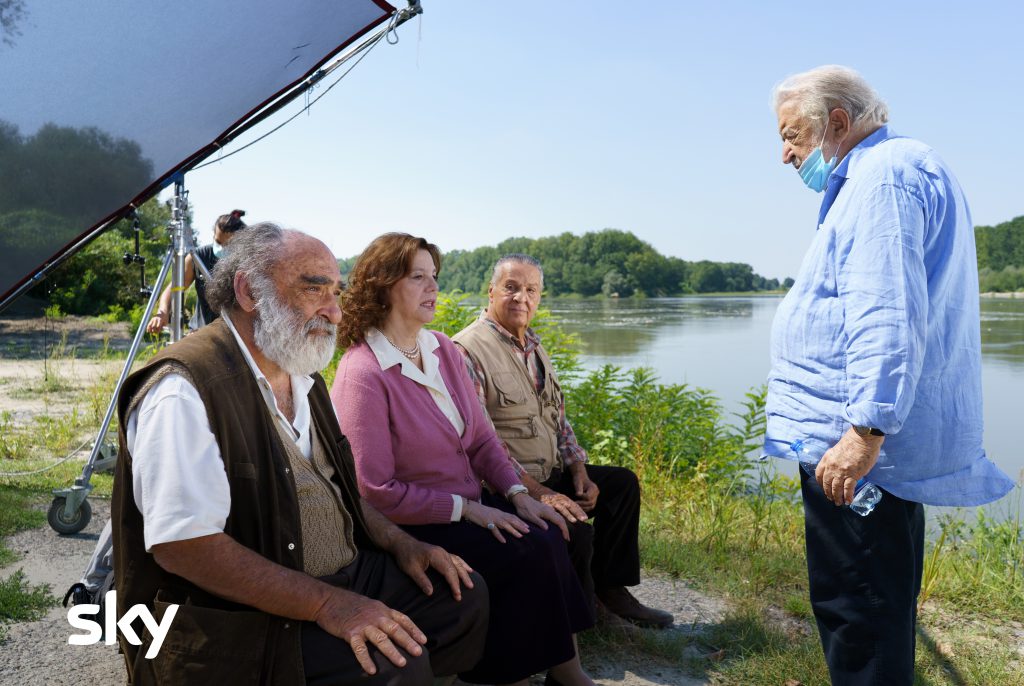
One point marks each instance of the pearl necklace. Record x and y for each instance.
(411, 353)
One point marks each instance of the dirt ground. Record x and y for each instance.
(38, 652)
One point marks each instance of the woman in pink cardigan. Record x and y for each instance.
(422, 446)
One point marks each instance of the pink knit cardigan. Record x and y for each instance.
(409, 459)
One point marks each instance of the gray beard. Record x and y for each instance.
(286, 340)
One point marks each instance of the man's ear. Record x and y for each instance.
(243, 292)
(839, 123)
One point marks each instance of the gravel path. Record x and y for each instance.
(38, 652)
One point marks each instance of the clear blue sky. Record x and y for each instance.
(490, 120)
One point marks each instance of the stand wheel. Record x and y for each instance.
(65, 525)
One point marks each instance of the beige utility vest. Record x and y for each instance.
(526, 420)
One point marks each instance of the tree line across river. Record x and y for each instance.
(610, 262)
(88, 166)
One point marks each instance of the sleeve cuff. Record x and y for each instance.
(880, 416)
(457, 509)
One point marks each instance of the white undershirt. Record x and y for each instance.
(429, 377)
(178, 476)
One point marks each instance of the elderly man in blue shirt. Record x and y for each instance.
(876, 366)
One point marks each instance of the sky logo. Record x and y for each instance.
(94, 632)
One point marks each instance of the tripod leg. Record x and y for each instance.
(68, 520)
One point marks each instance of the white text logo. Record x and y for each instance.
(94, 631)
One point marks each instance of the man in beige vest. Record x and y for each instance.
(517, 384)
(235, 500)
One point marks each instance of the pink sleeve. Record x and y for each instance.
(361, 403)
(487, 453)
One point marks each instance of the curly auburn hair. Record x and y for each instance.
(364, 303)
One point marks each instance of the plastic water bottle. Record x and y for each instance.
(865, 495)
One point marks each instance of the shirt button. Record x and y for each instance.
(459, 451)
(287, 625)
(287, 471)
(291, 546)
(468, 480)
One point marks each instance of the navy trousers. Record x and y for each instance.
(865, 576)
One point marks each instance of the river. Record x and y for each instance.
(721, 343)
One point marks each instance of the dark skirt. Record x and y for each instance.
(536, 600)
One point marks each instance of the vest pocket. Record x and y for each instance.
(510, 392)
(205, 645)
(243, 470)
(521, 427)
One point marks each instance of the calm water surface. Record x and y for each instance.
(721, 343)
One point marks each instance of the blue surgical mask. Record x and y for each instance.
(218, 249)
(814, 170)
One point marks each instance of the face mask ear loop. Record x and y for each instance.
(824, 132)
(838, 145)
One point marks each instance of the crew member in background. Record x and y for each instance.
(224, 230)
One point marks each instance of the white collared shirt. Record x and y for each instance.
(429, 377)
(178, 476)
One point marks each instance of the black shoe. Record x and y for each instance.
(620, 601)
(78, 594)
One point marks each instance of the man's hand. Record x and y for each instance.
(415, 558)
(362, 622)
(586, 490)
(845, 463)
(156, 324)
(539, 513)
(563, 505)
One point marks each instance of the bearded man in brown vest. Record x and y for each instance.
(518, 386)
(235, 499)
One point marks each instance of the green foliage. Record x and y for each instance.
(54, 312)
(20, 601)
(16, 514)
(978, 567)
(68, 172)
(608, 261)
(96, 281)
(1009, 279)
(616, 285)
(1000, 246)
(453, 313)
(672, 430)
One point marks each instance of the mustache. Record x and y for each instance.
(320, 325)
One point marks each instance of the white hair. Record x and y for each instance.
(518, 257)
(822, 89)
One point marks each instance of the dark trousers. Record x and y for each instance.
(865, 575)
(613, 557)
(536, 601)
(455, 630)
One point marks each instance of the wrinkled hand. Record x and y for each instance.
(362, 622)
(564, 505)
(481, 515)
(845, 463)
(539, 513)
(415, 558)
(586, 490)
(155, 325)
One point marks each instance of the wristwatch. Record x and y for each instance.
(514, 491)
(868, 431)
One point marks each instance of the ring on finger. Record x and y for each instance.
(490, 526)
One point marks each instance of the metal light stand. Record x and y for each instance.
(70, 511)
